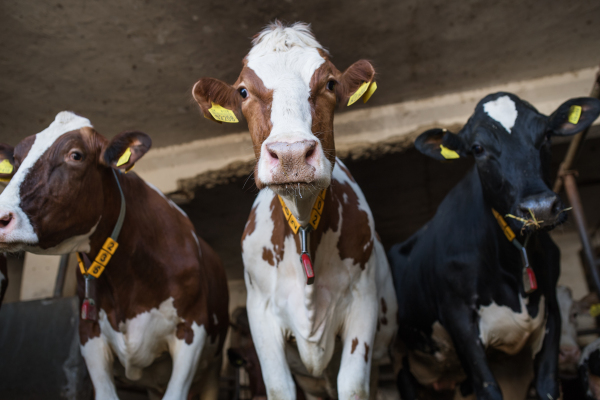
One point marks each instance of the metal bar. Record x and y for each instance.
(591, 331)
(575, 200)
(61, 276)
(576, 143)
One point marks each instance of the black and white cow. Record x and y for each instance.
(465, 316)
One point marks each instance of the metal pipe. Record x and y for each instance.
(576, 143)
(61, 276)
(575, 200)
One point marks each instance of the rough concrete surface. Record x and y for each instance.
(131, 63)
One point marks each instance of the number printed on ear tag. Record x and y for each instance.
(6, 167)
(447, 153)
(222, 114)
(358, 94)
(574, 114)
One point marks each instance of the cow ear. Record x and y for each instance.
(574, 116)
(7, 162)
(125, 149)
(357, 81)
(440, 144)
(218, 101)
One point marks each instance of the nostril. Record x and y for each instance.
(273, 155)
(310, 153)
(5, 220)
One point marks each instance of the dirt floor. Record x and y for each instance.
(130, 64)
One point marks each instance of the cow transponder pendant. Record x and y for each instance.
(305, 256)
(529, 280)
(89, 311)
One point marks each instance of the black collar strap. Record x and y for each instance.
(110, 245)
(313, 223)
(93, 271)
(529, 280)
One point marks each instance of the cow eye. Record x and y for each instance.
(331, 85)
(477, 150)
(76, 156)
(244, 92)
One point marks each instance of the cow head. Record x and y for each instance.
(510, 141)
(55, 197)
(287, 91)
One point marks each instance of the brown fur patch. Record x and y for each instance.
(250, 225)
(185, 332)
(383, 306)
(268, 256)
(354, 344)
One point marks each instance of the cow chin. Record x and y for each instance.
(297, 189)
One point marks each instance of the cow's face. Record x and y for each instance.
(510, 141)
(287, 91)
(55, 197)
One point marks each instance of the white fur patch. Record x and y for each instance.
(503, 329)
(285, 59)
(503, 110)
(10, 199)
(137, 343)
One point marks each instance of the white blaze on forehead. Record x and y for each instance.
(10, 199)
(503, 110)
(285, 59)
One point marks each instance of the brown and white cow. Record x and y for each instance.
(163, 291)
(330, 334)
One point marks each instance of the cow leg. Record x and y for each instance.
(354, 376)
(546, 361)
(210, 381)
(99, 361)
(462, 326)
(406, 382)
(270, 347)
(185, 362)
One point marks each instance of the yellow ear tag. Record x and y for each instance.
(595, 310)
(372, 89)
(124, 159)
(574, 114)
(358, 94)
(222, 114)
(448, 154)
(6, 167)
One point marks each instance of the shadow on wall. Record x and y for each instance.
(403, 191)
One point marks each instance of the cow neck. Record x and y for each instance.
(306, 221)
(529, 279)
(91, 271)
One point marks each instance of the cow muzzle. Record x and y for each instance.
(539, 211)
(291, 164)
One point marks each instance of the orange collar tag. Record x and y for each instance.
(315, 215)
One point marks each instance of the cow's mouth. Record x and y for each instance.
(295, 188)
(13, 247)
(527, 224)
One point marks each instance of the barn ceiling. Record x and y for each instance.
(129, 64)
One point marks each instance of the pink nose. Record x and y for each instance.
(295, 153)
(7, 221)
(291, 161)
(569, 354)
